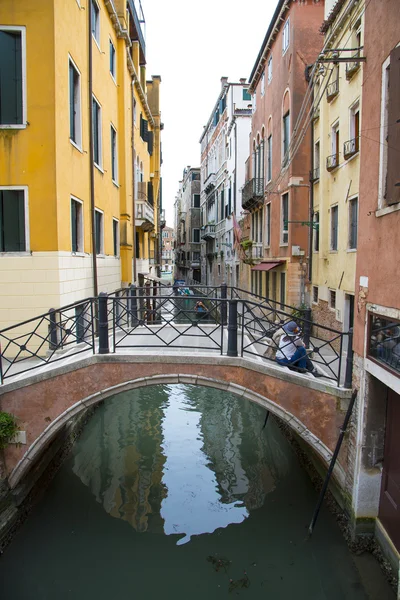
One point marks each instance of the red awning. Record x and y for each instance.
(267, 266)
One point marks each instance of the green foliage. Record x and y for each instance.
(298, 312)
(246, 244)
(8, 428)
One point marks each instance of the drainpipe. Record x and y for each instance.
(91, 158)
(133, 186)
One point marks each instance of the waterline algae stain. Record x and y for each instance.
(178, 492)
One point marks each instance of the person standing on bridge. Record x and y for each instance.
(292, 352)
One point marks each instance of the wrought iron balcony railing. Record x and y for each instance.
(253, 193)
(384, 342)
(351, 69)
(332, 162)
(332, 90)
(350, 148)
(208, 233)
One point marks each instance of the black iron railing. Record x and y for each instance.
(156, 316)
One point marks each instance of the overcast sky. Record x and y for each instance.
(191, 45)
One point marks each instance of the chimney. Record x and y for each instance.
(224, 81)
(242, 80)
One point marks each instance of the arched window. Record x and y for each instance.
(269, 150)
(285, 128)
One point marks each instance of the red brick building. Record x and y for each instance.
(277, 189)
(376, 488)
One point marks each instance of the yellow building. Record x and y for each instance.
(72, 79)
(336, 130)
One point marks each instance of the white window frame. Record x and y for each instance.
(317, 156)
(113, 75)
(287, 114)
(355, 107)
(81, 229)
(350, 200)
(268, 213)
(383, 154)
(24, 188)
(78, 143)
(330, 291)
(334, 150)
(262, 84)
(269, 67)
(283, 231)
(97, 36)
(114, 165)
(114, 220)
(101, 253)
(99, 165)
(286, 36)
(331, 249)
(269, 158)
(315, 249)
(22, 125)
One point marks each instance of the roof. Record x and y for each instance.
(332, 16)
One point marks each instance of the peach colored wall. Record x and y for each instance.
(378, 236)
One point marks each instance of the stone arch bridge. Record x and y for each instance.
(46, 402)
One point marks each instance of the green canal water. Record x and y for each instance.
(176, 492)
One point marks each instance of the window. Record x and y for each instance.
(115, 237)
(332, 299)
(134, 111)
(246, 95)
(99, 229)
(75, 130)
(269, 158)
(196, 200)
(96, 22)
(316, 232)
(355, 125)
(13, 221)
(114, 161)
(144, 128)
(283, 290)
(353, 223)
(286, 137)
(196, 236)
(316, 172)
(12, 76)
(285, 37)
(76, 225)
(196, 256)
(97, 141)
(389, 187)
(268, 225)
(112, 60)
(285, 217)
(270, 69)
(315, 294)
(332, 161)
(263, 84)
(254, 103)
(334, 228)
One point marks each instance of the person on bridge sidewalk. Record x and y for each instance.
(292, 352)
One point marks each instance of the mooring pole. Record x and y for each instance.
(333, 462)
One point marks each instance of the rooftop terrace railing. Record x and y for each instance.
(234, 322)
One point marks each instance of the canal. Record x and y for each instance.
(177, 492)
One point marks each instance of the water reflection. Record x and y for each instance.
(172, 459)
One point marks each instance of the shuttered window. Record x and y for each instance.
(285, 217)
(196, 200)
(246, 95)
(196, 236)
(114, 162)
(115, 237)
(316, 232)
(97, 143)
(334, 228)
(353, 223)
(11, 94)
(144, 129)
(99, 231)
(150, 195)
(150, 138)
(393, 138)
(12, 221)
(76, 226)
(112, 59)
(286, 137)
(74, 105)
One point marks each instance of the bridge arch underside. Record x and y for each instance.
(52, 400)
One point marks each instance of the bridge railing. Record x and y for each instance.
(48, 338)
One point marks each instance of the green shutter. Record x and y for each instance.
(10, 78)
(12, 221)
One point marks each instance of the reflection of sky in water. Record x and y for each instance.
(193, 504)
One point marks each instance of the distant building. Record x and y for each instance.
(223, 151)
(187, 227)
(168, 250)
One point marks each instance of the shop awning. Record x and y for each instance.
(267, 266)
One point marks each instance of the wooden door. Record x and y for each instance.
(389, 508)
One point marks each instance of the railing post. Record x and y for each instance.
(232, 329)
(307, 327)
(132, 310)
(349, 361)
(103, 324)
(53, 329)
(224, 305)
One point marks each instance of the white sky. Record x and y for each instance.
(191, 45)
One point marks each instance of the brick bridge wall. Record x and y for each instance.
(45, 402)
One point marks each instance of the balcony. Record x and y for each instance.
(350, 148)
(332, 90)
(144, 216)
(208, 233)
(332, 162)
(315, 175)
(163, 221)
(253, 193)
(351, 69)
(384, 342)
(209, 183)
